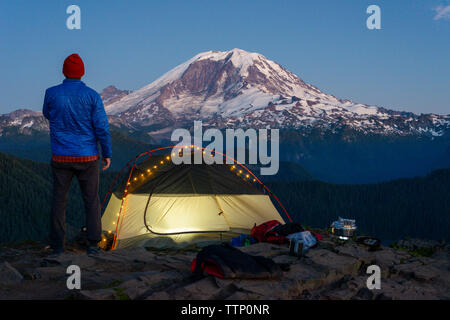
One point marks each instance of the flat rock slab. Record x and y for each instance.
(335, 264)
(356, 251)
(50, 273)
(137, 254)
(267, 250)
(332, 270)
(304, 277)
(100, 294)
(205, 289)
(418, 270)
(264, 289)
(389, 257)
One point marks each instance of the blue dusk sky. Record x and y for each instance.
(403, 66)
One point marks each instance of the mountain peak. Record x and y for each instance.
(111, 94)
(212, 79)
(237, 88)
(240, 59)
(21, 113)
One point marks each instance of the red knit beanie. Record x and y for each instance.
(73, 66)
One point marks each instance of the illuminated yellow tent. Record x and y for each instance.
(166, 205)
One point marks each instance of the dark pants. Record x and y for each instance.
(87, 174)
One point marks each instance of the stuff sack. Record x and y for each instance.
(263, 232)
(224, 261)
(305, 237)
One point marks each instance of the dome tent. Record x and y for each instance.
(160, 204)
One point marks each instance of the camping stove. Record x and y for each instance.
(343, 228)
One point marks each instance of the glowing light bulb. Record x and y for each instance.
(254, 180)
(114, 222)
(154, 167)
(240, 171)
(135, 179)
(109, 231)
(162, 162)
(247, 176)
(148, 170)
(167, 158)
(142, 175)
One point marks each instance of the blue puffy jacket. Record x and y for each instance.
(77, 120)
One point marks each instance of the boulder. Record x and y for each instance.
(9, 276)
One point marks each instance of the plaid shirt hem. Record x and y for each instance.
(74, 159)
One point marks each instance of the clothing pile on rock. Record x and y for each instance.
(303, 240)
(225, 261)
(274, 232)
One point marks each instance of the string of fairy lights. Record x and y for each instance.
(144, 175)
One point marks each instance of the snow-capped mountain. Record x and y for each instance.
(336, 140)
(241, 89)
(22, 121)
(111, 94)
(236, 88)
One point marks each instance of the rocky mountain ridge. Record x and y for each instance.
(333, 270)
(236, 88)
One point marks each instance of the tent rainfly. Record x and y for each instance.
(162, 205)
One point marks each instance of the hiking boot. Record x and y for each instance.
(93, 250)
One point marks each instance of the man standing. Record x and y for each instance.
(78, 123)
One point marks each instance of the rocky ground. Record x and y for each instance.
(332, 270)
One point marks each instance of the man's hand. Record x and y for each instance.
(106, 163)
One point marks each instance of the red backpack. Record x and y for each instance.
(262, 232)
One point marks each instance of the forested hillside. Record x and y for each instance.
(37, 146)
(25, 199)
(415, 207)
